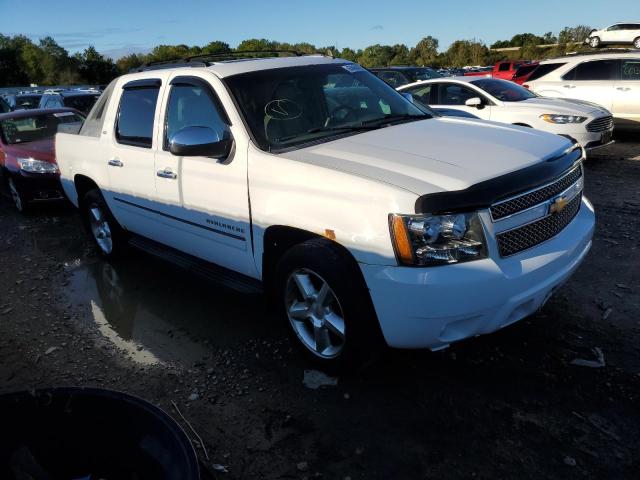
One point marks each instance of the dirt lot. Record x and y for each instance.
(508, 405)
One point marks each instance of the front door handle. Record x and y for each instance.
(623, 89)
(569, 86)
(167, 173)
(114, 162)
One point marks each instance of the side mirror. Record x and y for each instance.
(200, 142)
(474, 102)
(407, 95)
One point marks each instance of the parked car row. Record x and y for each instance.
(81, 100)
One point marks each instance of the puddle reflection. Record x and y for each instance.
(155, 313)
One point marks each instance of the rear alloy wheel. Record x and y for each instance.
(594, 42)
(108, 235)
(16, 196)
(315, 313)
(636, 43)
(100, 228)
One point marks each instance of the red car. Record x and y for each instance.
(505, 70)
(28, 169)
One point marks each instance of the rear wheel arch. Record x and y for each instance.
(84, 185)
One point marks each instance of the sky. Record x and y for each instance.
(118, 27)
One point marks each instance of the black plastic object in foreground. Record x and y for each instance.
(77, 433)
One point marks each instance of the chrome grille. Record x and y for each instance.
(532, 234)
(530, 199)
(601, 124)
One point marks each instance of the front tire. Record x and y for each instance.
(594, 42)
(108, 235)
(19, 200)
(327, 306)
(636, 43)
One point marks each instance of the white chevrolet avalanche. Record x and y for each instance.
(366, 219)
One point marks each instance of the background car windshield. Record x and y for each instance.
(82, 103)
(27, 101)
(426, 74)
(504, 90)
(39, 127)
(290, 106)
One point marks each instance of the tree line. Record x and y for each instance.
(23, 61)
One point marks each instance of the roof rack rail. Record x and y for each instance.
(205, 59)
(596, 52)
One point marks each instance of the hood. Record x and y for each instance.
(565, 106)
(435, 155)
(38, 150)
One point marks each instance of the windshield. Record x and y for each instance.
(504, 90)
(82, 103)
(27, 101)
(287, 107)
(39, 127)
(425, 74)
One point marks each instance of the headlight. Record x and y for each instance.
(562, 119)
(426, 240)
(36, 166)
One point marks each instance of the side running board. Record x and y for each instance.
(210, 271)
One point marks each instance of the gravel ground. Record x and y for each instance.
(507, 405)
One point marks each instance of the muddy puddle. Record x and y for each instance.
(155, 313)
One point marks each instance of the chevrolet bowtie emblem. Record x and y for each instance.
(558, 205)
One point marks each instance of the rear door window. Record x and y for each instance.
(136, 114)
(504, 67)
(596, 70)
(630, 70)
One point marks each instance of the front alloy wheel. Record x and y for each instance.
(594, 42)
(636, 43)
(315, 313)
(100, 228)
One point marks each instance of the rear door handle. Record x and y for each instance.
(569, 86)
(623, 89)
(114, 162)
(167, 173)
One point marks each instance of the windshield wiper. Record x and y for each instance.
(345, 128)
(394, 118)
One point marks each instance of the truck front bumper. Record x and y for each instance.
(434, 306)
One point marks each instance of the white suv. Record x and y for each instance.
(611, 80)
(367, 219)
(616, 34)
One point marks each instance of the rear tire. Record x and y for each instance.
(325, 302)
(110, 238)
(594, 42)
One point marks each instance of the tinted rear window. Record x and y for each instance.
(135, 117)
(545, 69)
(596, 70)
(524, 70)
